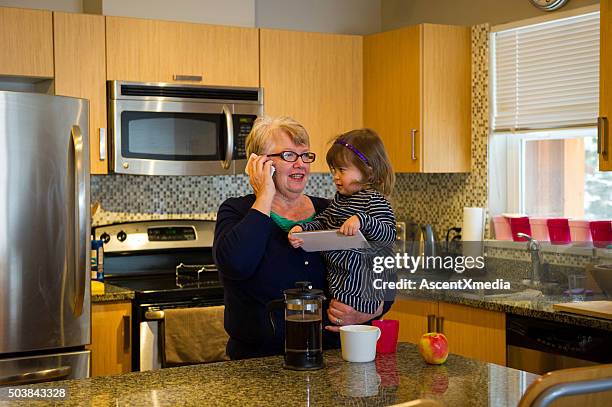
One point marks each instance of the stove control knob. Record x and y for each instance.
(105, 237)
(121, 236)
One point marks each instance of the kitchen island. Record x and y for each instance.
(391, 379)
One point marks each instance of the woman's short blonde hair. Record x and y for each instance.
(259, 139)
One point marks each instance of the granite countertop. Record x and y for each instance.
(526, 303)
(112, 293)
(390, 379)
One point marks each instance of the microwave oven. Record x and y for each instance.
(174, 129)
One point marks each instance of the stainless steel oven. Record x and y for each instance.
(168, 264)
(170, 129)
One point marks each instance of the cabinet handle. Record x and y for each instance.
(126, 332)
(102, 144)
(602, 137)
(599, 120)
(190, 78)
(413, 138)
(440, 324)
(431, 321)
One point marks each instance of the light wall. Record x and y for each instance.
(337, 16)
(72, 6)
(400, 13)
(334, 16)
(225, 12)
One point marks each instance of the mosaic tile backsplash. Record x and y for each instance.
(437, 199)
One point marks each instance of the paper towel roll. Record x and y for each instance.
(473, 224)
(472, 231)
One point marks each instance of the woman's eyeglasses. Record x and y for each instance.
(292, 156)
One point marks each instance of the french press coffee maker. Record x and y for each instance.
(303, 326)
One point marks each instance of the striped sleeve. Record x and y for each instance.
(378, 222)
(325, 220)
(316, 224)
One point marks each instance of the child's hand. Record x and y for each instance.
(295, 241)
(350, 226)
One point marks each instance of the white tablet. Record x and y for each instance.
(324, 240)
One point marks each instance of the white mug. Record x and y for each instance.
(358, 342)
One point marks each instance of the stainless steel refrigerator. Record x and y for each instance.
(44, 238)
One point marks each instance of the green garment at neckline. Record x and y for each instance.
(286, 224)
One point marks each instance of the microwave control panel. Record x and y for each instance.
(243, 123)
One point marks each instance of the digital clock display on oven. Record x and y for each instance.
(171, 233)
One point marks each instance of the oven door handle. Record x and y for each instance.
(229, 149)
(154, 315)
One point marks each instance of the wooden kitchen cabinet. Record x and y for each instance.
(474, 332)
(471, 332)
(80, 71)
(316, 79)
(605, 86)
(412, 315)
(417, 95)
(26, 43)
(156, 51)
(111, 336)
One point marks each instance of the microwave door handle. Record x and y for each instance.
(229, 149)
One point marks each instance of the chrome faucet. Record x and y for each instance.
(537, 266)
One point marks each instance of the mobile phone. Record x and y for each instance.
(252, 157)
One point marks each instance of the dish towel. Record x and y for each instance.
(194, 335)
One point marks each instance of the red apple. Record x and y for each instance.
(433, 347)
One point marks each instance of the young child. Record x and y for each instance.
(363, 177)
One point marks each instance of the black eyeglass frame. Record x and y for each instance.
(302, 156)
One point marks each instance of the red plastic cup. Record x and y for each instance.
(389, 329)
(559, 231)
(520, 225)
(601, 230)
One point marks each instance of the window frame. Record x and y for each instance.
(511, 146)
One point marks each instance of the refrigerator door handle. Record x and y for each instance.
(80, 223)
(46, 375)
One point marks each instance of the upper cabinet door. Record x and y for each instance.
(26, 43)
(316, 79)
(604, 139)
(392, 94)
(446, 78)
(80, 71)
(163, 51)
(417, 96)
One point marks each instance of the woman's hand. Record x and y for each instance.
(350, 226)
(260, 178)
(295, 241)
(342, 314)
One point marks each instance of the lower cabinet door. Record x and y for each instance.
(111, 338)
(412, 315)
(474, 332)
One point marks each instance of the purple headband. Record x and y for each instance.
(354, 150)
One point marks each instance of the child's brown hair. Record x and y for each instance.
(364, 149)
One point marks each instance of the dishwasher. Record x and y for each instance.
(539, 346)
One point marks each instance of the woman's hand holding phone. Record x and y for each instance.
(260, 170)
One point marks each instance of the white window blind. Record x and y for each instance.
(546, 75)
